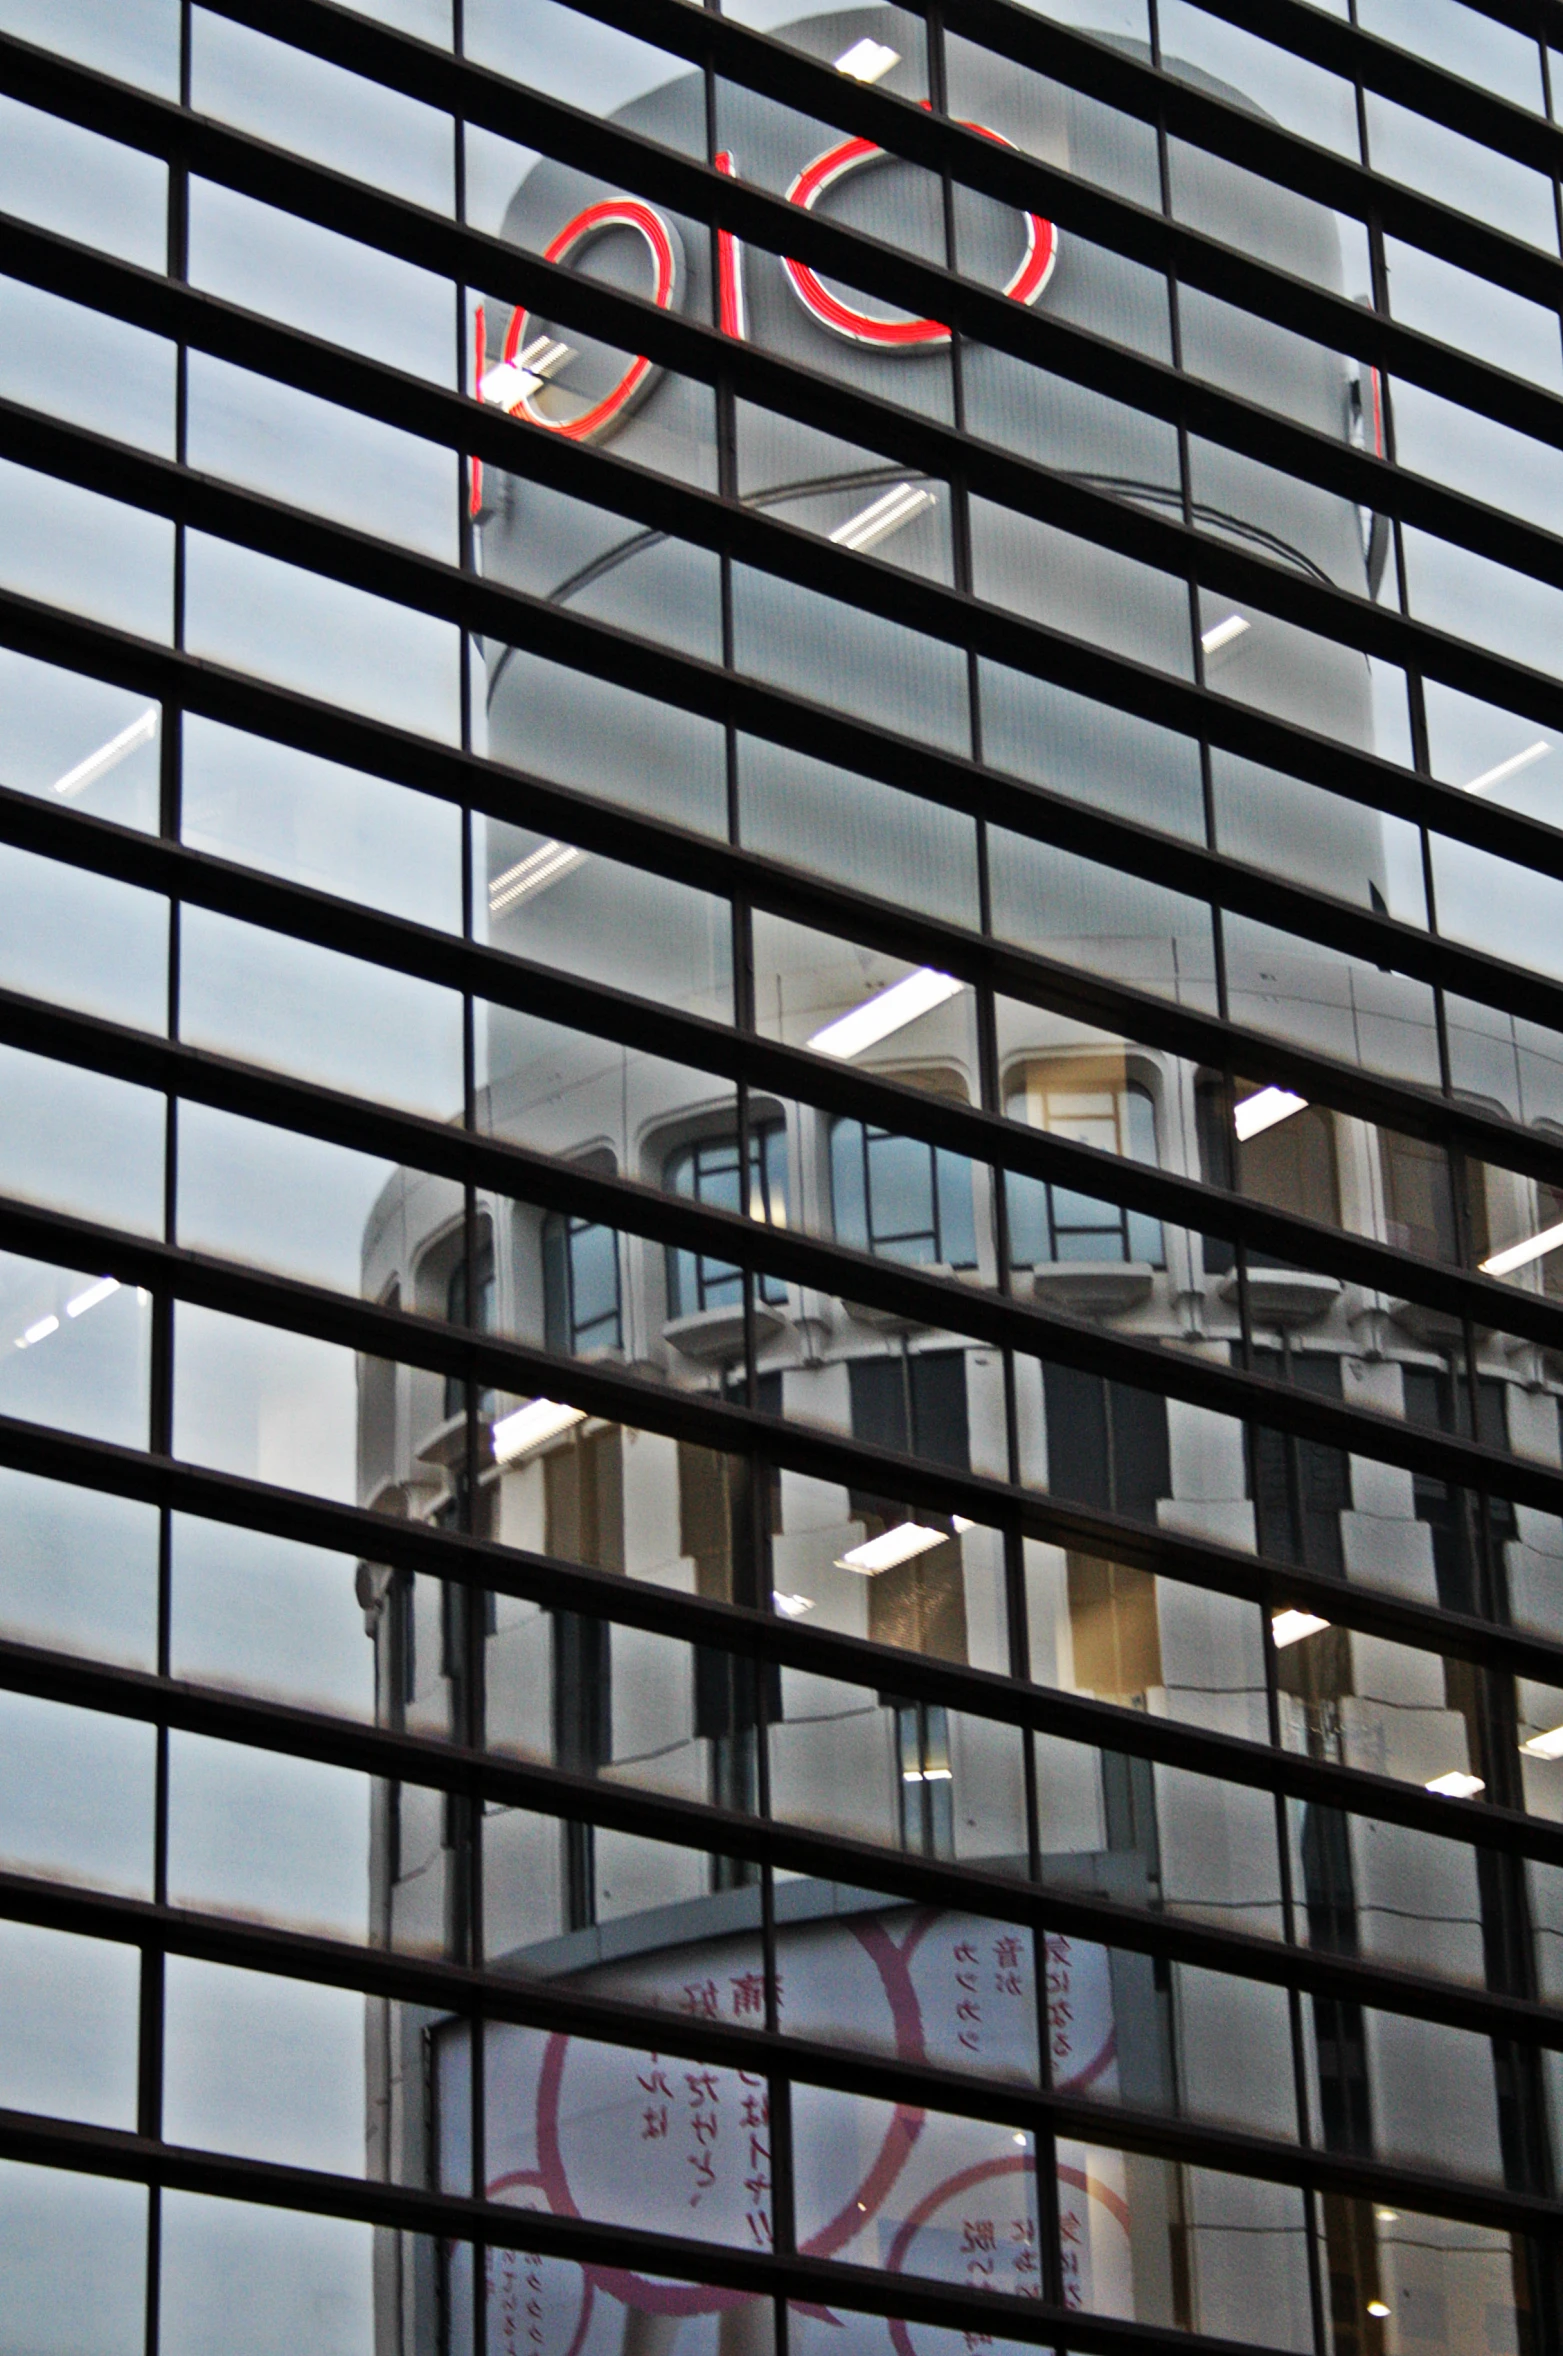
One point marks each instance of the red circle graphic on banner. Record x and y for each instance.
(899, 335)
(641, 374)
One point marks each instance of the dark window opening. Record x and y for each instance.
(1300, 1487)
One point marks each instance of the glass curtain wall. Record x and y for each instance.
(781, 1209)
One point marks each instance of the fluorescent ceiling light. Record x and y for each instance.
(1509, 768)
(1264, 1109)
(1387, 2216)
(1456, 1785)
(109, 756)
(39, 1332)
(1291, 1627)
(532, 874)
(511, 381)
(927, 1775)
(539, 1420)
(867, 61)
(891, 1010)
(1545, 1746)
(101, 1291)
(791, 1607)
(1378, 2308)
(883, 516)
(1519, 1255)
(889, 1548)
(1223, 633)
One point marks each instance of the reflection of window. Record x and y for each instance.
(583, 1522)
(1419, 1199)
(926, 1782)
(901, 1198)
(1113, 1626)
(707, 1172)
(1106, 1444)
(1438, 1398)
(377, 1413)
(581, 1301)
(482, 1309)
(1301, 1487)
(1290, 1166)
(1093, 1104)
(914, 1402)
(717, 1529)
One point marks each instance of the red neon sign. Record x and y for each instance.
(517, 381)
(899, 335)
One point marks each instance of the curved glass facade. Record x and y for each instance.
(781, 1200)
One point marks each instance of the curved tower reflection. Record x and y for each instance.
(598, 2131)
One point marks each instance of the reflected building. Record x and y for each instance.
(593, 2129)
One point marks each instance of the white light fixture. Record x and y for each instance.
(1377, 2308)
(109, 756)
(101, 1291)
(530, 1426)
(791, 1607)
(927, 1775)
(534, 873)
(889, 1548)
(883, 516)
(1387, 2216)
(1264, 1110)
(1022, 2140)
(38, 1332)
(1519, 1255)
(1290, 1627)
(516, 380)
(867, 61)
(891, 1010)
(1222, 633)
(1456, 1785)
(1545, 1746)
(1509, 768)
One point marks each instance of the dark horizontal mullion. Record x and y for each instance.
(943, 1304)
(559, 2007)
(305, 913)
(518, 797)
(1355, 55)
(1253, 140)
(1534, 18)
(509, 1166)
(659, 503)
(435, 242)
(449, 2217)
(233, 1500)
(1226, 1759)
(791, 77)
(174, 309)
(693, 684)
(487, 1777)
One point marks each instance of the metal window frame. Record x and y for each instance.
(468, 1773)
